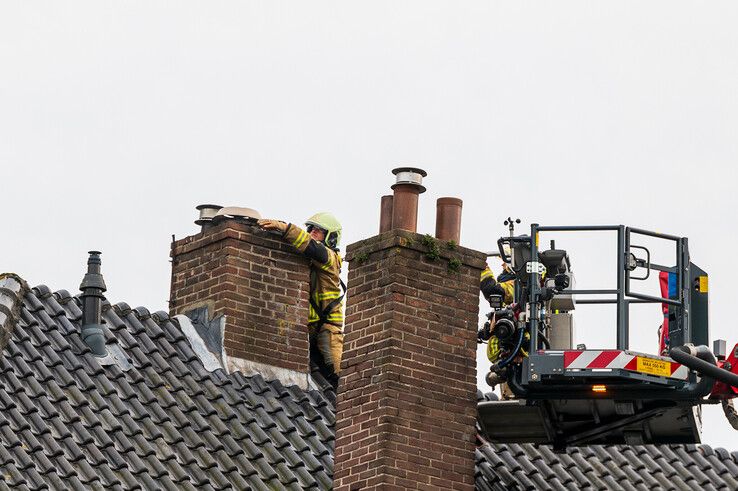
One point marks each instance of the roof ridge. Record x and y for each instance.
(13, 289)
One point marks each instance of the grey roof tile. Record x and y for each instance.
(304, 478)
(648, 478)
(554, 484)
(714, 479)
(540, 482)
(663, 481)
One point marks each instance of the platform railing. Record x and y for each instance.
(624, 296)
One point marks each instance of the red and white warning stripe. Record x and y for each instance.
(607, 359)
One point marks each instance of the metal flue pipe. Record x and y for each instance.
(93, 287)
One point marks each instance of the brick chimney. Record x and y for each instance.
(248, 291)
(406, 407)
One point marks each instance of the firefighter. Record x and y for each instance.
(504, 285)
(319, 242)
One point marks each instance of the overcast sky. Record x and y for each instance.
(117, 118)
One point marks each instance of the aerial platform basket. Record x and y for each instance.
(608, 396)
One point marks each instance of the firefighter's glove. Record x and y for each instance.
(484, 333)
(272, 225)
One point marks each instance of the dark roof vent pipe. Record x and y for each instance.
(93, 287)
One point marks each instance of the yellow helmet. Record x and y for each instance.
(328, 223)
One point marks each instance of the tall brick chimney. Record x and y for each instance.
(251, 291)
(406, 407)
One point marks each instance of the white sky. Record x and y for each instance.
(117, 118)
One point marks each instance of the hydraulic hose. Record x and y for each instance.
(544, 339)
(694, 357)
(514, 353)
(730, 412)
(519, 344)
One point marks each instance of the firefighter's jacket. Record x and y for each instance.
(504, 285)
(325, 270)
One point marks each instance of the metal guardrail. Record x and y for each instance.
(624, 296)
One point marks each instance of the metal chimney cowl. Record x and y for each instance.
(93, 287)
(206, 214)
(407, 187)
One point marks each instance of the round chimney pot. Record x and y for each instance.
(448, 219)
(385, 214)
(450, 201)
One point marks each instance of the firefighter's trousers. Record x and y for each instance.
(329, 341)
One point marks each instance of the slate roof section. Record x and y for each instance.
(645, 467)
(600, 467)
(68, 422)
(162, 421)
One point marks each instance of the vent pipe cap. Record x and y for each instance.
(248, 215)
(93, 278)
(410, 175)
(207, 212)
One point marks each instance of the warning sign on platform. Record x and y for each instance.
(654, 367)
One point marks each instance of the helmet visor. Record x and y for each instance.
(309, 227)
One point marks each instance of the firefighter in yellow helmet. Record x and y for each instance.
(319, 242)
(504, 285)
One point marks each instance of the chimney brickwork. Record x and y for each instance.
(406, 408)
(258, 285)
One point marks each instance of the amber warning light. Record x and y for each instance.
(599, 388)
